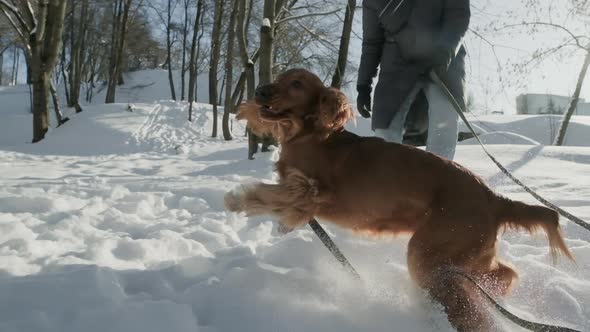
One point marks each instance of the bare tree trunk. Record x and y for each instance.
(344, 42)
(40, 107)
(90, 89)
(266, 42)
(169, 50)
(68, 79)
(117, 9)
(221, 89)
(44, 47)
(117, 57)
(574, 103)
(64, 76)
(238, 90)
(58, 116)
(120, 79)
(29, 62)
(246, 81)
(247, 63)
(14, 76)
(214, 61)
(184, 35)
(198, 56)
(265, 74)
(192, 76)
(229, 69)
(77, 48)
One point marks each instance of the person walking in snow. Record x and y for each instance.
(407, 39)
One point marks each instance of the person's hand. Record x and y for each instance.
(363, 100)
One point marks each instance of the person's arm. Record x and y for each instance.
(455, 23)
(373, 39)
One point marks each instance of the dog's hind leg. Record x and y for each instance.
(461, 302)
(432, 262)
(497, 280)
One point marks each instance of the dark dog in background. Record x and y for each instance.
(254, 140)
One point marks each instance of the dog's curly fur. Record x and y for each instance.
(368, 185)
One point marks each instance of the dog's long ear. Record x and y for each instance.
(249, 111)
(282, 130)
(334, 110)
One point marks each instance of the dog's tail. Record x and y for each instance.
(532, 218)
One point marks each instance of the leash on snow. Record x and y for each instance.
(532, 326)
(327, 241)
(506, 172)
(529, 325)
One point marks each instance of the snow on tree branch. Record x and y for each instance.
(25, 29)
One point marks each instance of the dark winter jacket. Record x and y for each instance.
(406, 44)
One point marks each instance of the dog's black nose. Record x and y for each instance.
(264, 92)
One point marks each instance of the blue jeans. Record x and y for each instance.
(442, 121)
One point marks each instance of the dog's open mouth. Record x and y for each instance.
(270, 113)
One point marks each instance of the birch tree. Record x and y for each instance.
(40, 27)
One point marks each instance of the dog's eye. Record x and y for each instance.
(296, 84)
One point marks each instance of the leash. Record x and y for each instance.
(394, 9)
(529, 325)
(327, 241)
(540, 198)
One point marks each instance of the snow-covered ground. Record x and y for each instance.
(116, 222)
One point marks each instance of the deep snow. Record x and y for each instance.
(115, 222)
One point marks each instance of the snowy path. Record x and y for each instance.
(136, 239)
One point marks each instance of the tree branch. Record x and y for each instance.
(290, 18)
(14, 26)
(39, 28)
(31, 12)
(319, 38)
(14, 10)
(493, 46)
(2, 50)
(539, 56)
(553, 25)
(8, 6)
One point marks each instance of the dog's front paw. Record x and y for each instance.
(233, 202)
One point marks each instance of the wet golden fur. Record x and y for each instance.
(368, 185)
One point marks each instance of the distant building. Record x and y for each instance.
(533, 103)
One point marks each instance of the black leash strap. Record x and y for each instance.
(327, 241)
(540, 198)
